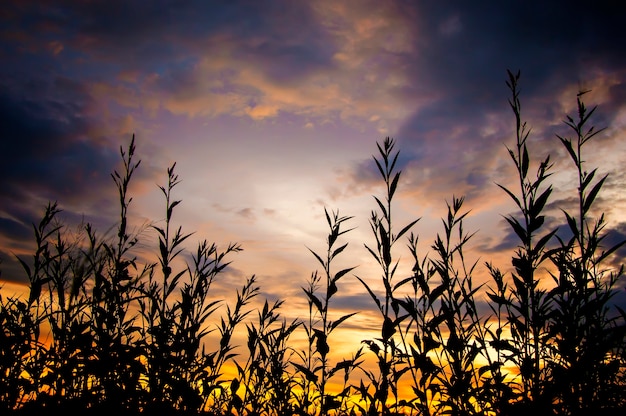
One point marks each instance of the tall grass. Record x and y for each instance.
(99, 331)
(528, 305)
(588, 332)
(376, 393)
(315, 365)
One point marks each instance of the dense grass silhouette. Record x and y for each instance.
(100, 332)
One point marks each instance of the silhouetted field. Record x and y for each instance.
(99, 332)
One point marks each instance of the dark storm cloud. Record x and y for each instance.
(462, 53)
(361, 302)
(543, 39)
(281, 36)
(44, 148)
(282, 32)
(14, 230)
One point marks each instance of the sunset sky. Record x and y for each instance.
(272, 111)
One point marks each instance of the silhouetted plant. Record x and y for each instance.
(458, 379)
(116, 285)
(498, 385)
(180, 373)
(100, 354)
(586, 329)
(421, 333)
(316, 368)
(562, 339)
(264, 379)
(55, 302)
(215, 390)
(388, 354)
(164, 360)
(528, 306)
(18, 348)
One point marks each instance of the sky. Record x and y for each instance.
(272, 110)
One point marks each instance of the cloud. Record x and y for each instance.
(45, 149)
(260, 61)
(247, 213)
(458, 60)
(77, 76)
(363, 60)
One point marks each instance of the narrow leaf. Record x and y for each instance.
(407, 228)
(513, 197)
(372, 294)
(568, 145)
(339, 250)
(537, 205)
(341, 273)
(525, 162)
(318, 258)
(338, 322)
(519, 230)
(588, 179)
(572, 224)
(592, 195)
(382, 207)
(394, 185)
